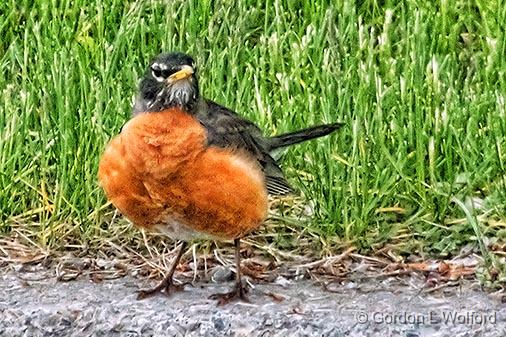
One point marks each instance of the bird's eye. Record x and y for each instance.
(157, 72)
(161, 73)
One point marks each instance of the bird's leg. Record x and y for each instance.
(167, 282)
(239, 291)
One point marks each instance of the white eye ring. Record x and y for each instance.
(158, 78)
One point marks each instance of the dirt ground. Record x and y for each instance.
(36, 304)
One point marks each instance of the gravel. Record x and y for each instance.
(36, 304)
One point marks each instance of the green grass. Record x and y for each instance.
(421, 86)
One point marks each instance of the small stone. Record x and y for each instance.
(221, 274)
(282, 281)
(218, 324)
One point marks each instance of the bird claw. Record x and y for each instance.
(164, 287)
(237, 294)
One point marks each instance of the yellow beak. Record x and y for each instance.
(185, 72)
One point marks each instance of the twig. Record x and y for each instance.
(330, 259)
(441, 286)
(369, 258)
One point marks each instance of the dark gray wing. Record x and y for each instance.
(226, 129)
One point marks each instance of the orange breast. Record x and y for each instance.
(159, 173)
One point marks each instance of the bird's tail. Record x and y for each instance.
(302, 135)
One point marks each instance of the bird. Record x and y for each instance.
(189, 168)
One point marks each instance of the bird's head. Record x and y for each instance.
(169, 81)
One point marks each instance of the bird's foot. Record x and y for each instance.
(237, 294)
(166, 287)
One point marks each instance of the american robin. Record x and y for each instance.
(190, 168)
